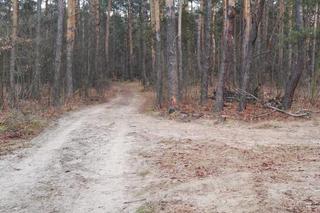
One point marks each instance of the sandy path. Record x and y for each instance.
(96, 160)
(80, 165)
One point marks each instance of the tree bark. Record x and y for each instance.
(227, 50)
(143, 17)
(130, 42)
(213, 44)
(97, 61)
(281, 37)
(206, 52)
(199, 37)
(71, 29)
(15, 8)
(313, 58)
(36, 76)
(298, 66)
(107, 35)
(290, 51)
(251, 24)
(171, 54)
(58, 53)
(153, 52)
(157, 38)
(180, 66)
(246, 50)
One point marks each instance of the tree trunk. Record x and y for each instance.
(157, 38)
(313, 58)
(213, 45)
(58, 53)
(143, 17)
(281, 37)
(227, 50)
(15, 8)
(107, 38)
(97, 62)
(130, 42)
(206, 53)
(290, 51)
(180, 66)
(199, 37)
(153, 52)
(251, 25)
(298, 66)
(71, 29)
(171, 54)
(246, 50)
(36, 76)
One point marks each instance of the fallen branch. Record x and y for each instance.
(134, 201)
(268, 105)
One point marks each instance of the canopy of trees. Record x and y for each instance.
(56, 48)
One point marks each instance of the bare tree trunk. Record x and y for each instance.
(298, 66)
(206, 53)
(157, 39)
(153, 52)
(250, 35)
(246, 50)
(107, 37)
(15, 8)
(71, 29)
(36, 77)
(227, 49)
(281, 36)
(313, 58)
(172, 55)
(213, 44)
(97, 62)
(143, 17)
(200, 37)
(58, 53)
(290, 52)
(180, 66)
(130, 42)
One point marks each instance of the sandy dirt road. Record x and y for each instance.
(112, 158)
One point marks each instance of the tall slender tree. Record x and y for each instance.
(199, 32)
(36, 77)
(15, 8)
(157, 39)
(229, 13)
(282, 9)
(180, 66)
(58, 53)
(171, 53)
(298, 66)
(313, 58)
(143, 17)
(251, 24)
(71, 29)
(107, 35)
(130, 41)
(206, 52)
(246, 49)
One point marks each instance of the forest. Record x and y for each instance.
(55, 49)
(165, 106)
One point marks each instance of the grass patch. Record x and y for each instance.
(146, 208)
(17, 124)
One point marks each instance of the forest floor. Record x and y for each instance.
(113, 157)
